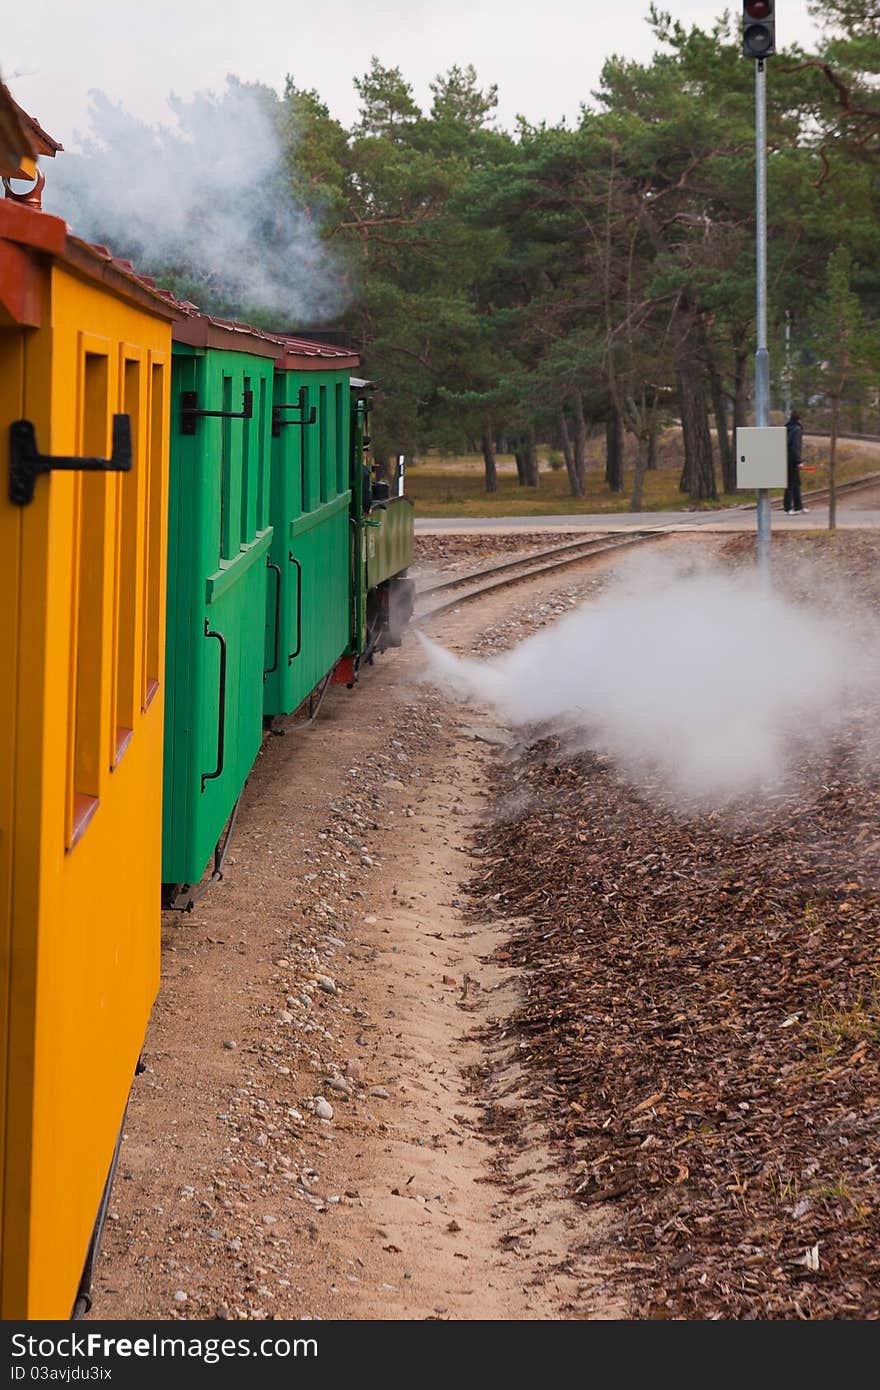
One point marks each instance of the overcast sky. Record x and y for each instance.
(544, 56)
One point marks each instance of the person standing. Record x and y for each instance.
(794, 439)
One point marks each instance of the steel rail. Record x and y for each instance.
(867, 484)
(529, 567)
(588, 543)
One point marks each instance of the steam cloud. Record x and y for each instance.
(704, 682)
(206, 202)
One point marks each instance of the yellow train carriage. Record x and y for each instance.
(82, 603)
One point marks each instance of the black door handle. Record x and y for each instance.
(26, 463)
(291, 656)
(277, 569)
(221, 713)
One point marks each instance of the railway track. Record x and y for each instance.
(432, 600)
(509, 572)
(869, 483)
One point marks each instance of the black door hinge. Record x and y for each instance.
(300, 405)
(189, 410)
(26, 462)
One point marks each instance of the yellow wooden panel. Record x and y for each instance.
(11, 406)
(85, 936)
(29, 596)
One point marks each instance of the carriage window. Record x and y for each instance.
(247, 481)
(323, 422)
(305, 453)
(129, 555)
(155, 520)
(226, 479)
(264, 456)
(341, 451)
(87, 628)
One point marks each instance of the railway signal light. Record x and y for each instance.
(759, 28)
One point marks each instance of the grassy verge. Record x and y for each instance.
(453, 487)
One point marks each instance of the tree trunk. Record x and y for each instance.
(614, 450)
(520, 459)
(698, 475)
(651, 465)
(574, 483)
(530, 457)
(642, 465)
(580, 443)
(719, 410)
(488, 447)
(858, 415)
(832, 464)
(740, 391)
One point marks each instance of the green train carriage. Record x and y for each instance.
(220, 537)
(308, 625)
(285, 571)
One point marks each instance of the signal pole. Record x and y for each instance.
(762, 355)
(759, 40)
(761, 451)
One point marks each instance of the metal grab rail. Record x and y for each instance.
(221, 714)
(291, 558)
(26, 463)
(190, 412)
(277, 568)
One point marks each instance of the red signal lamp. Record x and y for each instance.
(759, 28)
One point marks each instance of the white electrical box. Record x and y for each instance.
(761, 457)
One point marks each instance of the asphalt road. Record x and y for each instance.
(724, 519)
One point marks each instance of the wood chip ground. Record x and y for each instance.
(700, 1022)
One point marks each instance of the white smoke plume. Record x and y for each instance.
(206, 199)
(702, 682)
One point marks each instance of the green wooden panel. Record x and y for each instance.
(308, 617)
(219, 542)
(359, 414)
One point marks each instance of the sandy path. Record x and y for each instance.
(335, 961)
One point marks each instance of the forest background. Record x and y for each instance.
(571, 293)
